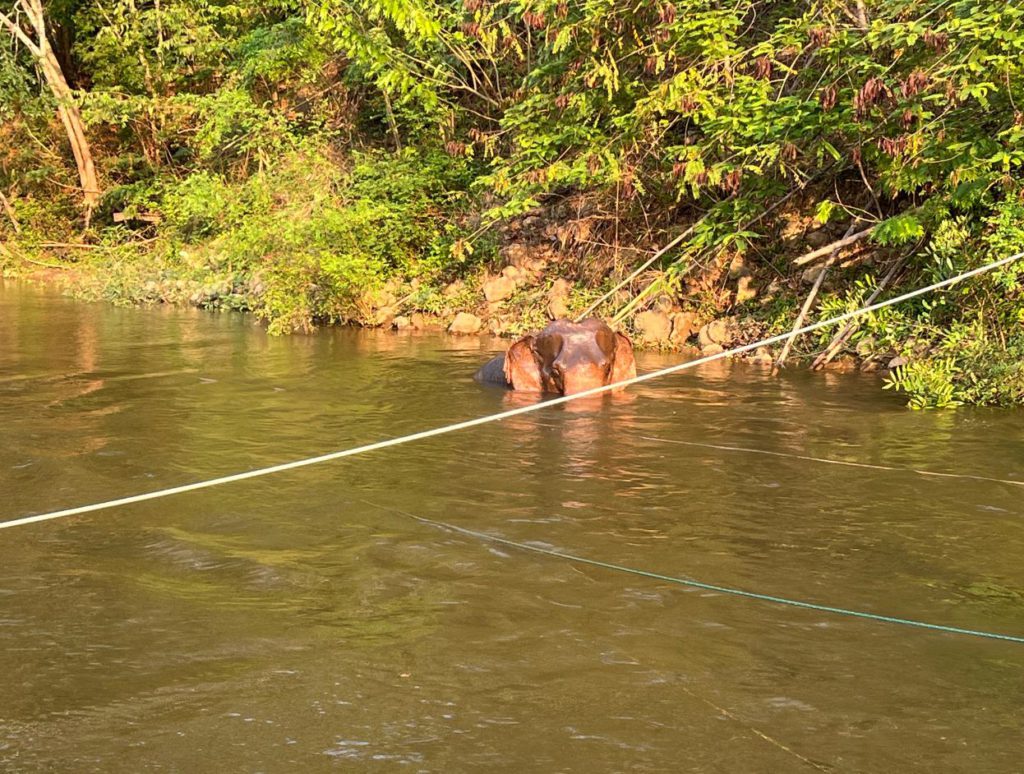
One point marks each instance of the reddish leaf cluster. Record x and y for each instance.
(907, 119)
(731, 181)
(762, 68)
(915, 83)
(593, 164)
(472, 5)
(893, 146)
(471, 28)
(678, 169)
(667, 13)
(650, 65)
(828, 97)
(536, 176)
(872, 93)
(789, 152)
(937, 41)
(562, 101)
(562, 10)
(819, 36)
(687, 104)
(455, 148)
(535, 19)
(627, 187)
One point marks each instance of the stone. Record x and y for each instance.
(896, 362)
(465, 324)
(745, 290)
(558, 297)
(401, 322)
(762, 357)
(684, 325)
(513, 273)
(810, 274)
(719, 331)
(517, 255)
(454, 289)
(654, 327)
(498, 289)
(422, 322)
(712, 349)
(664, 304)
(738, 267)
(817, 238)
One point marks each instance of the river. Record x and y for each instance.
(307, 622)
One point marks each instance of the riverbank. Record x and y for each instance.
(538, 272)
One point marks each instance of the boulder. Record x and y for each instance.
(654, 327)
(762, 357)
(712, 349)
(745, 290)
(738, 267)
(401, 322)
(422, 322)
(684, 325)
(719, 331)
(558, 297)
(465, 324)
(498, 289)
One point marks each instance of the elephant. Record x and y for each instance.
(565, 358)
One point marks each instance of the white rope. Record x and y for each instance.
(495, 417)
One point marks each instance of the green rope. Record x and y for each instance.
(707, 586)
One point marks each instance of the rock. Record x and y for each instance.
(896, 362)
(719, 331)
(454, 289)
(745, 290)
(842, 365)
(810, 274)
(684, 325)
(738, 267)
(422, 322)
(654, 327)
(513, 273)
(664, 304)
(517, 255)
(498, 289)
(817, 238)
(401, 322)
(465, 324)
(712, 349)
(762, 357)
(558, 297)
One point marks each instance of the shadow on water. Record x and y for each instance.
(300, 620)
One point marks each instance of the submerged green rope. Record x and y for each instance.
(707, 586)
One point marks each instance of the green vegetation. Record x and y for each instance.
(322, 161)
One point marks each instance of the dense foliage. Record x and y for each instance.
(317, 150)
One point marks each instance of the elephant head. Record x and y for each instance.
(568, 357)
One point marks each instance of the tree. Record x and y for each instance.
(35, 40)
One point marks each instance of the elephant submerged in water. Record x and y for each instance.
(565, 358)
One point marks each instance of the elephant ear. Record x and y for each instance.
(522, 370)
(624, 366)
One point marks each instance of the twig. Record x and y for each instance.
(836, 246)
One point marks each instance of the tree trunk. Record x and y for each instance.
(67, 110)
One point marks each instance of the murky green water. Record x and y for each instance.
(300, 623)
